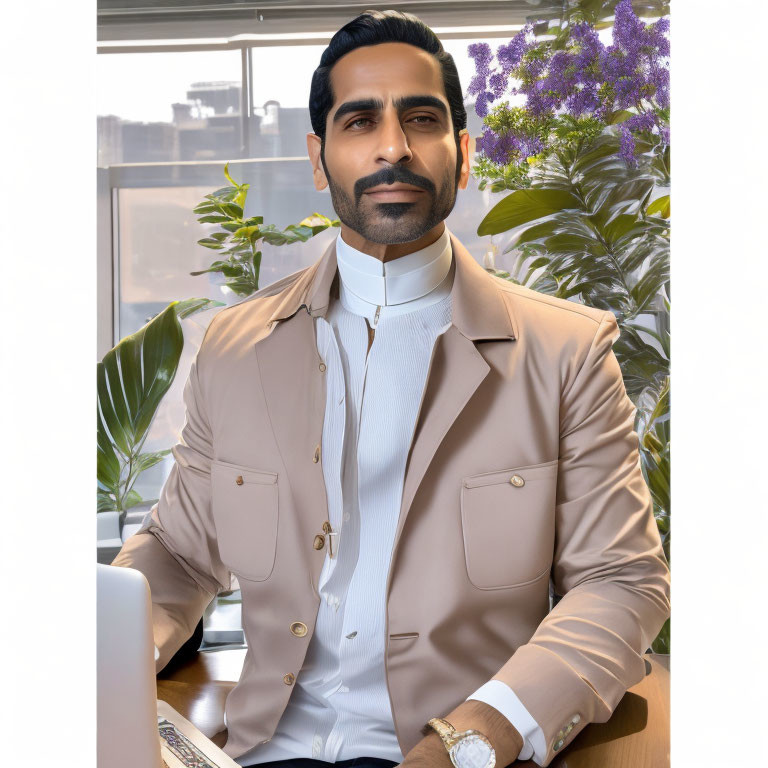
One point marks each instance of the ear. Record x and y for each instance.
(318, 174)
(464, 145)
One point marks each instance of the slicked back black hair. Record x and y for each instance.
(373, 27)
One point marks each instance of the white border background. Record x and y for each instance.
(48, 350)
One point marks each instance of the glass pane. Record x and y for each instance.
(168, 106)
(158, 233)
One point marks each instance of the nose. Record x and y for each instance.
(393, 142)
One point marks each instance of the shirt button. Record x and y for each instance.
(517, 480)
(319, 541)
(289, 678)
(322, 366)
(351, 635)
(239, 480)
(316, 457)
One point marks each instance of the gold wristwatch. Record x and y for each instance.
(467, 749)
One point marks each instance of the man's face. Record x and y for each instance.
(390, 124)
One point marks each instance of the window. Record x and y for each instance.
(168, 122)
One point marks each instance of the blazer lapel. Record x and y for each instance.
(295, 389)
(456, 368)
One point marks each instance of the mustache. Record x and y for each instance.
(397, 174)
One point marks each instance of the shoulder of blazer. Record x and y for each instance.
(526, 302)
(562, 330)
(256, 307)
(522, 292)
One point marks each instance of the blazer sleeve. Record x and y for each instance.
(608, 564)
(176, 547)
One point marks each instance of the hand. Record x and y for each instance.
(430, 752)
(507, 742)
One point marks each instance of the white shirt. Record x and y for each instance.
(340, 707)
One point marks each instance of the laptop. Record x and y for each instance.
(134, 728)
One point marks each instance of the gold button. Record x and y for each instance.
(327, 527)
(322, 366)
(319, 541)
(239, 480)
(299, 628)
(517, 480)
(316, 457)
(289, 678)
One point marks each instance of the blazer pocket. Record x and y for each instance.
(245, 510)
(508, 524)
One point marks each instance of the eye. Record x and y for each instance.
(429, 118)
(357, 120)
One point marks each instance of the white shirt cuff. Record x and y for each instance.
(502, 698)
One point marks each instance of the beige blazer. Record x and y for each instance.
(524, 468)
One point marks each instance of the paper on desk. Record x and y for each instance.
(184, 746)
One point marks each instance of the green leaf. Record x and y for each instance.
(233, 210)
(523, 206)
(205, 208)
(537, 232)
(619, 116)
(229, 178)
(105, 502)
(188, 307)
(659, 206)
(132, 378)
(213, 219)
(146, 460)
(131, 499)
(107, 463)
(225, 193)
(209, 242)
(247, 232)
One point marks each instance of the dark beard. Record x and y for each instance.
(395, 222)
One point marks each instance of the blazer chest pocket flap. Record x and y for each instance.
(508, 524)
(245, 510)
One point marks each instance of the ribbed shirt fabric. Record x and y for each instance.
(340, 707)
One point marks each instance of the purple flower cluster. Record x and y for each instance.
(487, 85)
(498, 148)
(585, 80)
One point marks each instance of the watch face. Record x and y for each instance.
(473, 752)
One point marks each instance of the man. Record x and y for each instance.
(399, 455)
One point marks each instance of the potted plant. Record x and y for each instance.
(585, 163)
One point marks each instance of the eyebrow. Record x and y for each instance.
(401, 104)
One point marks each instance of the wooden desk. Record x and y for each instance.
(636, 736)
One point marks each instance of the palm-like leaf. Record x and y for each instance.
(131, 381)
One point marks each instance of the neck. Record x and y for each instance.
(386, 252)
